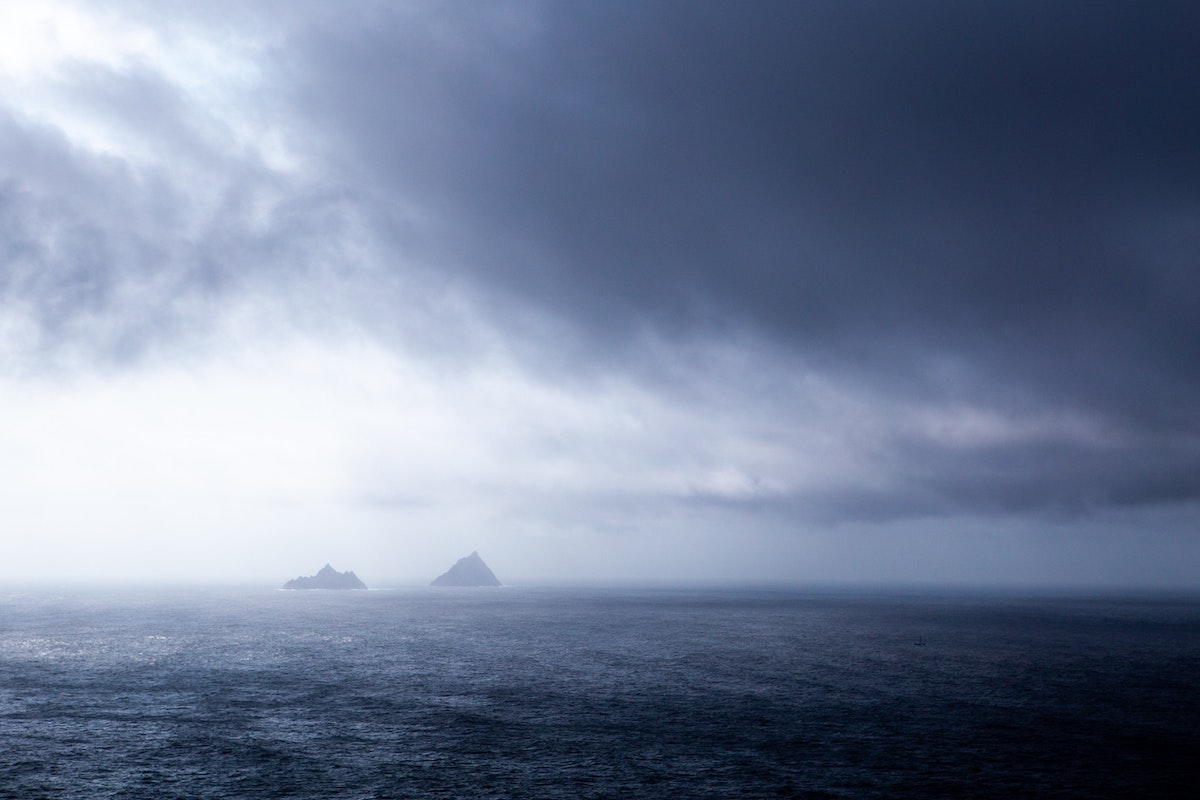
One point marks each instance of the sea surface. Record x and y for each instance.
(556, 693)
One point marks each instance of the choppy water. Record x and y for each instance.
(515, 693)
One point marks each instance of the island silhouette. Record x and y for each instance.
(469, 571)
(327, 578)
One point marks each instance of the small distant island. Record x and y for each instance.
(327, 578)
(469, 571)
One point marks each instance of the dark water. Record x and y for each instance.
(565, 694)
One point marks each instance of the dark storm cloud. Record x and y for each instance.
(986, 203)
(1014, 176)
(1065, 479)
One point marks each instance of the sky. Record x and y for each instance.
(611, 292)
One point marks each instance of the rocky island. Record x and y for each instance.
(327, 578)
(469, 571)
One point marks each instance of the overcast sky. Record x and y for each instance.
(608, 291)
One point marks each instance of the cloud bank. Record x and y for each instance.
(600, 281)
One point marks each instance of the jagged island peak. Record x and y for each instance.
(469, 571)
(327, 578)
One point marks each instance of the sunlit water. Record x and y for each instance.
(574, 694)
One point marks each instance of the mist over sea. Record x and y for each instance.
(556, 693)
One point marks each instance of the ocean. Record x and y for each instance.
(590, 693)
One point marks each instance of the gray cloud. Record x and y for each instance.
(119, 253)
